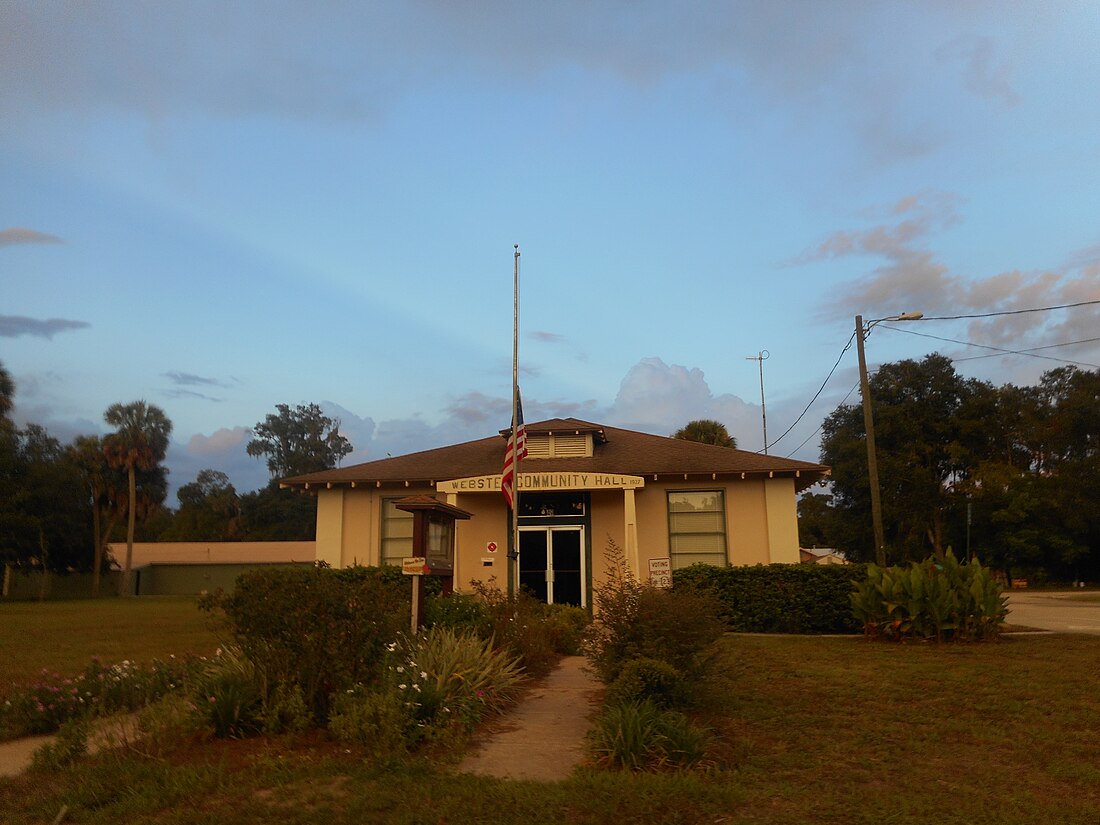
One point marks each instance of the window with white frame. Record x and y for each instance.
(397, 533)
(697, 527)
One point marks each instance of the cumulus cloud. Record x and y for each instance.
(660, 398)
(19, 235)
(221, 441)
(13, 326)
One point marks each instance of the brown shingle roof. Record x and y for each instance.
(622, 451)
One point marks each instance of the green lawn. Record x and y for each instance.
(64, 636)
(815, 730)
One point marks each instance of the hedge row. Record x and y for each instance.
(780, 598)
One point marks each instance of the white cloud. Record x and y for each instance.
(660, 398)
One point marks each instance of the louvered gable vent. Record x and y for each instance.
(559, 445)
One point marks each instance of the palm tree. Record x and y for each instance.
(103, 488)
(706, 431)
(139, 443)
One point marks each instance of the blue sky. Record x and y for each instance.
(222, 207)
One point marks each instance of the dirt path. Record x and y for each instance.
(543, 737)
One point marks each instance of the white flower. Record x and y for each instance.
(400, 669)
(402, 687)
(423, 674)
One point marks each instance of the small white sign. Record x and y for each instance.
(660, 572)
(414, 566)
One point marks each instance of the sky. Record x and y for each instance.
(220, 207)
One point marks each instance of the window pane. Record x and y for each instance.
(697, 528)
(397, 530)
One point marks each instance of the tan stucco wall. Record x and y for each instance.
(747, 524)
(214, 552)
(761, 526)
(782, 520)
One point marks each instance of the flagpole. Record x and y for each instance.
(515, 404)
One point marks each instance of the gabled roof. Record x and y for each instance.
(616, 451)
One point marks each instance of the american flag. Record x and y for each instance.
(513, 455)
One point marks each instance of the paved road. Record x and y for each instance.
(1063, 612)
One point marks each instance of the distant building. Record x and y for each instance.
(582, 486)
(821, 555)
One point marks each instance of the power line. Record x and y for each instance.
(1030, 350)
(999, 351)
(1007, 312)
(855, 386)
(847, 346)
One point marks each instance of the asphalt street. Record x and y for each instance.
(1063, 611)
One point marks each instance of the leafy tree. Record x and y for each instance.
(43, 512)
(139, 443)
(7, 392)
(706, 431)
(298, 441)
(271, 514)
(209, 510)
(816, 520)
(916, 406)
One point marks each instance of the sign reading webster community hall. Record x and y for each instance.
(545, 481)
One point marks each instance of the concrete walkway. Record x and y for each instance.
(543, 736)
(15, 756)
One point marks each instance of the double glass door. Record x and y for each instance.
(551, 564)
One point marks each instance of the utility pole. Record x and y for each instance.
(762, 356)
(869, 425)
(872, 461)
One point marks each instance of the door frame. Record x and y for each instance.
(549, 530)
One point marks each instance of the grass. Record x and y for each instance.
(814, 730)
(64, 636)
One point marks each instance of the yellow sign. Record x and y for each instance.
(415, 566)
(545, 481)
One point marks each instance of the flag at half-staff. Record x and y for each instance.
(516, 452)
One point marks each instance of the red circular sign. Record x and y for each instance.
(491, 546)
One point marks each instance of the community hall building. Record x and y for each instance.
(582, 486)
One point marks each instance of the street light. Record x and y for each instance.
(862, 331)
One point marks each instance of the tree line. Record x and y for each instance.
(1008, 474)
(60, 505)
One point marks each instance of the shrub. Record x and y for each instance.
(166, 724)
(931, 600)
(98, 690)
(229, 696)
(70, 745)
(648, 679)
(376, 720)
(458, 611)
(640, 736)
(318, 630)
(674, 626)
(779, 598)
(448, 676)
(535, 633)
